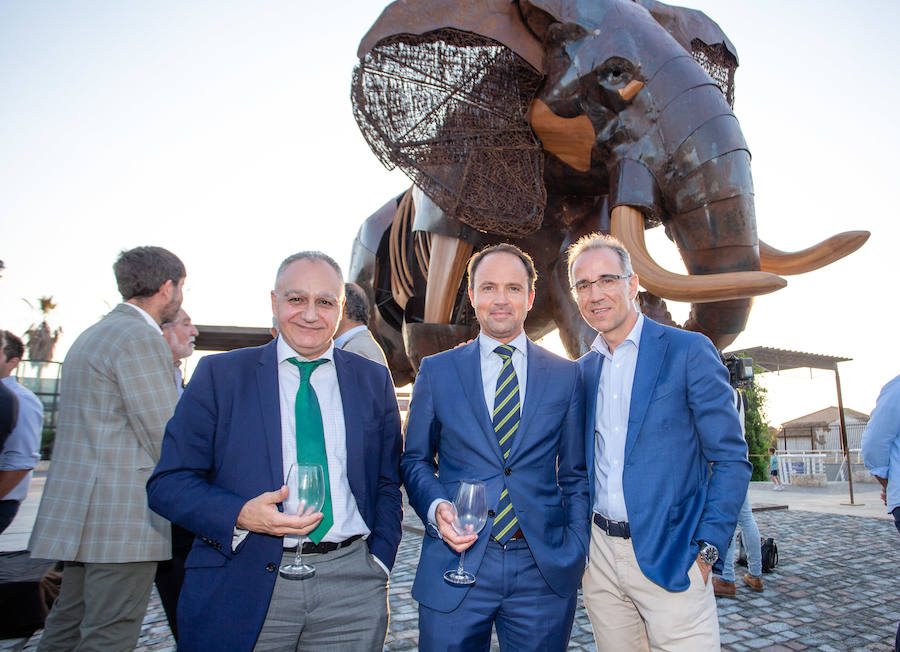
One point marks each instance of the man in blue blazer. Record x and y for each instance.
(510, 414)
(226, 453)
(666, 460)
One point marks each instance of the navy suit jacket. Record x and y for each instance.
(682, 419)
(222, 447)
(449, 430)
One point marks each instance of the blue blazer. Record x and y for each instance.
(449, 430)
(682, 419)
(223, 447)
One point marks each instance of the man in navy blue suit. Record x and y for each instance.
(508, 413)
(667, 464)
(226, 453)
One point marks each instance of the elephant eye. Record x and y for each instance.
(616, 71)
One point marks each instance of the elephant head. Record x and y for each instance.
(621, 109)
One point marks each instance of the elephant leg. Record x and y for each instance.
(446, 268)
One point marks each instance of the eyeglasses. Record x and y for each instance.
(605, 282)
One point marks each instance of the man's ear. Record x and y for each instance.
(166, 289)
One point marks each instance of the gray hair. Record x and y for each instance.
(357, 305)
(598, 241)
(308, 255)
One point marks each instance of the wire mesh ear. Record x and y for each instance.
(448, 107)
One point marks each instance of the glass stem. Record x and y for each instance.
(462, 556)
(297, 560)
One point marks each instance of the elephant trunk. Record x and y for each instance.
(713, 222)
(698, 157)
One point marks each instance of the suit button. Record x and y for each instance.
(491, 513)
(270, 567)
(507, 470)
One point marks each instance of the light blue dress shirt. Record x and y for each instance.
(881, 441)
(22, 448)
(611, 421)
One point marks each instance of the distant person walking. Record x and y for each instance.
(21, 450)
(881, 452)
(724, 586)
(116, 396)
(773, 471)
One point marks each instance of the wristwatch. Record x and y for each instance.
(708, 553)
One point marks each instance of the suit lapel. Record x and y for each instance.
(651, 352)
(468, 366)
(536, 382)
(270, 404)
(353, 427)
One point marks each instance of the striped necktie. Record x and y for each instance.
(506, 422)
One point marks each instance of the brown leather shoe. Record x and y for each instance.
(755, 583)
(722, 588)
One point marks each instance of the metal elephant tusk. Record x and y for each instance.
(800, 262)
(627, 224)
(631, 89)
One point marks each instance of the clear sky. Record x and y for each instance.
(223, 131)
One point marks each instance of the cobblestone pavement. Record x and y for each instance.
(835, 589)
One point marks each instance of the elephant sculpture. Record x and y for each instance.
(538, 121)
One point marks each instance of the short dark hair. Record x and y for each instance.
(505, 248)
(771, 450)
(308, 255)
(141, 271)
(11, 345)
(356, 307)
(598, 241)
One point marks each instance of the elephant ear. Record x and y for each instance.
(442, 90)
(702, 38)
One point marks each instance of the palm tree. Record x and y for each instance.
(41, 340)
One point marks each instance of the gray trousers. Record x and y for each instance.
(343, 607)
(100, 607)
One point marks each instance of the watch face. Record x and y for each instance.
(709, 554)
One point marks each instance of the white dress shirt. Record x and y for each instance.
(146, 315)
(611, 421)
(347, 519)
(491, 364)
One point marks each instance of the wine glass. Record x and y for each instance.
(306, 486)
(471, 513)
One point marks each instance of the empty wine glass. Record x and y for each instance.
(306, 484)
(471, 514)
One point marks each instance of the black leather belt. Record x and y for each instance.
(310, 548)
(613, 528)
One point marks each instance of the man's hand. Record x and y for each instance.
(261, 515)
(883, 482)
(445, 515)
(704, 570)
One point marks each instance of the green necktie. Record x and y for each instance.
(311, 438)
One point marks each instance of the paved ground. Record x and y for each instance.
(835, 589)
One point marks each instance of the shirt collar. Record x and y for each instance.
(143, 313)
(487, 344)
(599, 344)
(285, 352)
(341, 340)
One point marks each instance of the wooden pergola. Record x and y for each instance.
(226, 338)
(771, 359)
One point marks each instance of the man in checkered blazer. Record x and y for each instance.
(115, 399)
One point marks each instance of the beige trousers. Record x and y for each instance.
(630, 612)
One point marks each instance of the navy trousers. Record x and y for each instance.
(509, 593)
